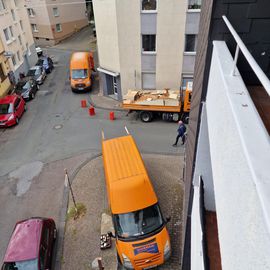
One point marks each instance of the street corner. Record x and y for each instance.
(81, 248)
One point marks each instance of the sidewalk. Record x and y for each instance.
(82, 236)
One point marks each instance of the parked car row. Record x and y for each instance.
(13, 106)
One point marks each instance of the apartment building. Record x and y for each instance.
(4, 69)
(53, 21)
(16, 36)
(227, 180)
(145, 44)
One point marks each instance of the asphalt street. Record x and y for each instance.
(56, 128)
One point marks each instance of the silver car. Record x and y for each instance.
(37, 73)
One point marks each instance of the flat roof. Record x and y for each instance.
(128, 185)
(24, 242)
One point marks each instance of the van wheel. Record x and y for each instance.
(146, 116)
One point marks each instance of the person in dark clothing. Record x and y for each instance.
(181, 133)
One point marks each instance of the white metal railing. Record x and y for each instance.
(253, 64)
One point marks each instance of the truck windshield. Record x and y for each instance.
(23, 265)
(138, 223)
(79, 73)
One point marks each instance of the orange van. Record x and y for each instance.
(81, 66)
(142, 240)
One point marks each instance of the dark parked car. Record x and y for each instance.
(27, 88)
(45, 62)
(37, 73)
(31, 245)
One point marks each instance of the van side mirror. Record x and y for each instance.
(111, 234)
(168, 219)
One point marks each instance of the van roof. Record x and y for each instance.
(128, 185)
(24, 242)
(79, 60)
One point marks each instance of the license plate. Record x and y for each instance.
(80, 88)
(150, 267)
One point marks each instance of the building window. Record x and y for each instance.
(2, 73)
(20, 39)
(18, 56)
(191, 42)
(30, 12)
(21, 24)
(185, 80)
(11, 31)
(34, 27)
(149, 5)
(55, 12)
(13, 60)
(13, 15)
(194, 4)
(6, 34)
(58, 27)
(149, 43)
(2, 5)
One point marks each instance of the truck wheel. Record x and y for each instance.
(146, 116)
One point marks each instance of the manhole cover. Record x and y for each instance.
(58, 126)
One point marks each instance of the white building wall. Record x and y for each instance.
(171, 20)
(129, 36)
(240, 156)
(107, 34)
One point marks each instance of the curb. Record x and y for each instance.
(63, 211)
(91, 102)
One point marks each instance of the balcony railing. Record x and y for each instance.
(252, 62)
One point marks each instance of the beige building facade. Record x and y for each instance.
(53, 21)
(142, 44)
(16, 36)
(5, 84)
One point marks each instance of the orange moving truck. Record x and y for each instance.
(142, 240)
(81, 68)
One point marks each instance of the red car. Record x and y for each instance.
(11, 110)
(31, 245)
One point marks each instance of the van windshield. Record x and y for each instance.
(79, 73)
(138, 223)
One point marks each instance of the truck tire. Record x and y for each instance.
(146, 116)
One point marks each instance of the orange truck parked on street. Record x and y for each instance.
(81, 69)
(142, 239)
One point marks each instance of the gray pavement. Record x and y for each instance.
(81, 245)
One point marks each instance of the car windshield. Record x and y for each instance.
(26, 86)
(79, 73)
(31, 72)
(6, 108)
(23, 265)
(138, 223)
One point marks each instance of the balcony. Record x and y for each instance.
(233, 157)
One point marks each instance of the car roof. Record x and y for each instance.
(8, 99)
(24, 242)
(35, 67)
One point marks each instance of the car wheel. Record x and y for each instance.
(25, 109)
(17, 120)
(32, 95)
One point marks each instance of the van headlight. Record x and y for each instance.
(167, 250)
(126, 262)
